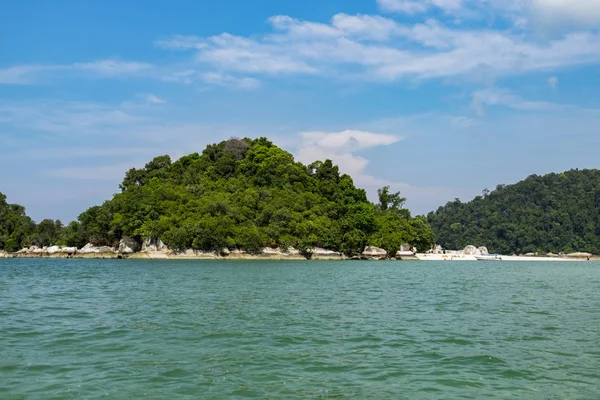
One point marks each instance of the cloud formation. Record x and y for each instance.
(30, 74)
(220, 79)
(372, 47)
(341, 148)
(419, 6)
(561, 12)
(573, 12)
(504, 97)
(553, 82)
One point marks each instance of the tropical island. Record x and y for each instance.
(554, 213)
(240, 196)
(245, 198)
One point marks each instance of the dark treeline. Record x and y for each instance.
(240, 193)
(551, 213)
(17, 230)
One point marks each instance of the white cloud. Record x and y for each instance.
(302, 29)
(376, 48)
(29, 74)
(153, 99)
(118, 130)
(66, 152)
(575, 13)
(367, 26)
(219, 79)
(578, 12)
(420, 6)
(553, 82)
(340, 147)
(21, 74)
(186, 76)
(462, 122)
(181, 42)
(404, 6)
(111, 67)
(98, 173)
(348, 140)
(503, 97)
(245, 55)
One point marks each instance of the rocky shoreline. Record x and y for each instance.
(156, 250)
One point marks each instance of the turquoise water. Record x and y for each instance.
(307, 330)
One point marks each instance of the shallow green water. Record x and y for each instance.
(381, 330)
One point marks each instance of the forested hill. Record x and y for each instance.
(551, 213)
(247, 194)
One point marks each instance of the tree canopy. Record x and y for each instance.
(17, 230)
(550, 213)
(240, 193)
(15, 226)
(248, 194)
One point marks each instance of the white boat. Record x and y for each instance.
(489, 257)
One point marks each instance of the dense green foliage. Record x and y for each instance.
(249, 194)
(551, 213)
(15, 226)
(245, 194)
(18, 230)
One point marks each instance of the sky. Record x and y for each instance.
(438, 99)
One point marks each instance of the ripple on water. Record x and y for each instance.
(131, 329)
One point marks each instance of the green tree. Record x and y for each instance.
(15, 226)
(389, 201)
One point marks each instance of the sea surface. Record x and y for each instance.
(87, 329)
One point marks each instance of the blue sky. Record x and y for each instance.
(437, 98)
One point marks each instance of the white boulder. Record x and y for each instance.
(318, 251)
(91, 249)
(128, 245)
(272, 251)
(37, 250)
(58, 249)
(470, 250)
(278, 252)
(53, 250)
(372, 251)
(152, 244)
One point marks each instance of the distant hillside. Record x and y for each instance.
(550, 213)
